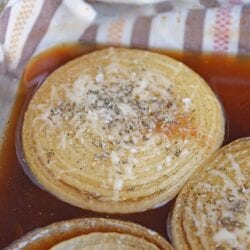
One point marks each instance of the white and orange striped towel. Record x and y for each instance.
(29, 26)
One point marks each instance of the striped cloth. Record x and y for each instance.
(29, 26)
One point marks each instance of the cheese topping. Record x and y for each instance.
(223, 210)
(120, 130)
(129, 113)
(125, 111)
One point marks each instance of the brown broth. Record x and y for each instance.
(25, 207)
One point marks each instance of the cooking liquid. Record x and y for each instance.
(24, 206)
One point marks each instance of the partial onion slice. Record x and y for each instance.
(213, 209)
(120, 130)
(91, 233)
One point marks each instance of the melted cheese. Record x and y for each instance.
(123, 109)
(227, 215)
(114, 158)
